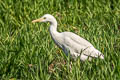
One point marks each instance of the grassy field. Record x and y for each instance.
(27, 51)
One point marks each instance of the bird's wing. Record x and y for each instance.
(79, 44)
(77, 39)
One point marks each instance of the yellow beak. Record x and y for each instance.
(37, 20)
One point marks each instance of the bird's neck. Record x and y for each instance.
(53, 26)
(53, 29)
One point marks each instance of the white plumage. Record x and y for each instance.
(70, 42)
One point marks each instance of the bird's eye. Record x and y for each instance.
(44, 18)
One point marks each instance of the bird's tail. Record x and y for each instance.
(100, 55)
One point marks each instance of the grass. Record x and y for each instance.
(27, 51)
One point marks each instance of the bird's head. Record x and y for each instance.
(45, 18)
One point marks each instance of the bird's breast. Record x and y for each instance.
(56, 38)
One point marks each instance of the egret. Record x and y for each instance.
(69, 42)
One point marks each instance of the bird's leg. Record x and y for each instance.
(70, 66)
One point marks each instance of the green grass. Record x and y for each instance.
(27, 50)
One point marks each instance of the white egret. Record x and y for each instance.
(70, 42)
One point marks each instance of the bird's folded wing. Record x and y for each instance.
(79, 40)
(79, 44)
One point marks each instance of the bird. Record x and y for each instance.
(71, 43)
